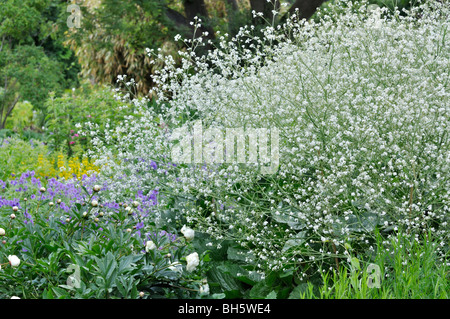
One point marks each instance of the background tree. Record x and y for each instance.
(114, 34)
(33, 59)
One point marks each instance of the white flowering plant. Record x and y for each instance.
(361, 100)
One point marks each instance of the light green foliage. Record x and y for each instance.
(18, 156)
(21, 116)
(113, 38)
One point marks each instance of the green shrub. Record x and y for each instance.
(67, 114)
(21, 117)
(18, 156)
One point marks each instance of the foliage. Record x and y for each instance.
(18, 156)
(21, 117)
(409, 269)
(360, 104)
(113, 38)
(114, 35)
(66, 114)
(28, 74)
(32, 58)
(73, 248)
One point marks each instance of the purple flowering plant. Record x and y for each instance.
(71, 243)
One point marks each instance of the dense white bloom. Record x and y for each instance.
(192, 261)
(188, 233)
(361, 101)
(14, 260)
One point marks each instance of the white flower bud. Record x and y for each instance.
(96, 188)
(150, 245)
(188, 233)
(135, 204)
(13, 216)
(42, 189)
(2, 232)
(15, 208)
(129, 210)
(94, 203)
(14, 260)
(192, 261)
(204, 289)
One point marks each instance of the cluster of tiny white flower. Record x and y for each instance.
(362, 105)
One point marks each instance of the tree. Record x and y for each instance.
(306, 8)
(26, 71)
(114, 35)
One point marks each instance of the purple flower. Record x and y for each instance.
(140, 225)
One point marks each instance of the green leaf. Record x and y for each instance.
(85, 190)
(298, 241)
(121, 287)
(240, 254)
(47, 294)
(134, 292)
(260, 290)
(298, 291)
(286, 216)
(355, 263)
(228, 284)
(60, 293)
